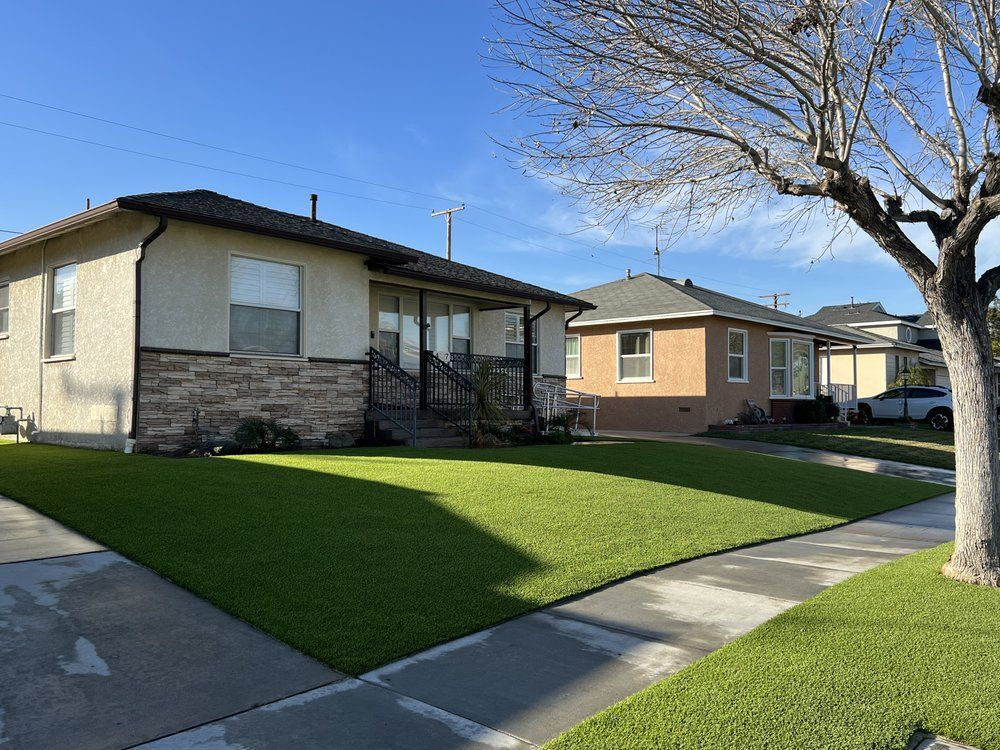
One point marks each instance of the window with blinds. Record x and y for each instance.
(265, 306)
(4, 307)
(62, 315)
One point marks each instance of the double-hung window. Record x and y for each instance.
(635, 356)
(62, 317)
(265, 308)
(573, 357)
(461, 329)
(4, 307)
(737, 356)
(513, 327)
(791, 368)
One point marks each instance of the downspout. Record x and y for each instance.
(573, 317)
(146, 242)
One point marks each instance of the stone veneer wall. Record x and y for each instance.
(311, 396)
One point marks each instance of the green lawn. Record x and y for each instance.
(359, 557)
(920, 445)
(862, 665)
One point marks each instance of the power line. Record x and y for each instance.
(329, 191)
(10, 231)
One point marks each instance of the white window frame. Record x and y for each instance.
(578, 375)
(5, 328)
(451, 325)
(53, 311)
(744, 357)
(619, 356)
(789, 343)
(535, 343)
(300, 309)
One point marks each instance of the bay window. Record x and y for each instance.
(635, 356)
(791, 368)
(265, 307)
(573, 357)
(62, 315)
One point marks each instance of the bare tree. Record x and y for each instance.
(882, 112)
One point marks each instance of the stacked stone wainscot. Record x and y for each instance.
(186, 398)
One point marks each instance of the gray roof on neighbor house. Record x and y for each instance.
(857, 312)
(649, 296)
(214, 209)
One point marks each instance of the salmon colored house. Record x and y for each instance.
(668, 356)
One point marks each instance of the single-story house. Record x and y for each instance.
(667, 355)
(894, 343)
(155, 321)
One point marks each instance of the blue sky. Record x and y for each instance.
(390, 92)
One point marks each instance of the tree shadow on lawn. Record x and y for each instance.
(352, 571)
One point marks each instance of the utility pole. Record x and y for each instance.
(656, 250)
(774, 297)
(447, 219)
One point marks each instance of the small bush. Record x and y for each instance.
(256, 434)
(818, 410)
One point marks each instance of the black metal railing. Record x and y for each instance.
(393, 393)
(448, 393)
(509, 392)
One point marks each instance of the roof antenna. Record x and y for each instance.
(313, 199)
(852, 300)
(656, 250)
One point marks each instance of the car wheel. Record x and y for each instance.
(941, 419)
(864, 414)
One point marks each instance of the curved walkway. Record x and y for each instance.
(98, 652)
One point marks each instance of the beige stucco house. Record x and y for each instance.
(155, 321)
(667, 355)
(893, 343)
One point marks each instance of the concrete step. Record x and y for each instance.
(427, 432)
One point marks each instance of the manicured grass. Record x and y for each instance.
(920, 445)
(862, 665)
(358, 557)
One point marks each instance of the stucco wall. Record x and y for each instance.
(84, 400)
(186, 291)
(676, 399)
(551, 337)
(872, 369)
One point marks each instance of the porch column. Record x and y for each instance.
(854, 357)
(829, 377)
(422, 304)
(528, 341)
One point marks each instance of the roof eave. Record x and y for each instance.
(62, 226)
(386, 256)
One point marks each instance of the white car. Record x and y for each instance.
(923, 402)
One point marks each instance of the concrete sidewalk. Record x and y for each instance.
(98, 652)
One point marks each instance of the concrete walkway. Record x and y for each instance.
(828, 458)
(98, 652)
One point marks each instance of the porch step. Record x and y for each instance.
(460, 441)
(424, 432)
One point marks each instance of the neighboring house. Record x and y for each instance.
(894, 343)
(168, 317)
(667, 355)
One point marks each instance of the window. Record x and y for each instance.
(737, 355)
(63, 317)
(513, 329)
(802, 365)
(573, 357)
(4, 307)
(791, 368)
(265, 306)
(461, 329)
(635, 355)
(779, 367)
(908, 334)
(388, 326)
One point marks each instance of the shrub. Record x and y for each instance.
(257, 434)
(818, 410)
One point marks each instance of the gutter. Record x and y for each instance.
(573, 317)
(148, 240)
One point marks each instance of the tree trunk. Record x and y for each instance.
(965, 340)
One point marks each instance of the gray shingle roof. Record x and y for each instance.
(208, 207)
(650, 296)
(858, 312)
